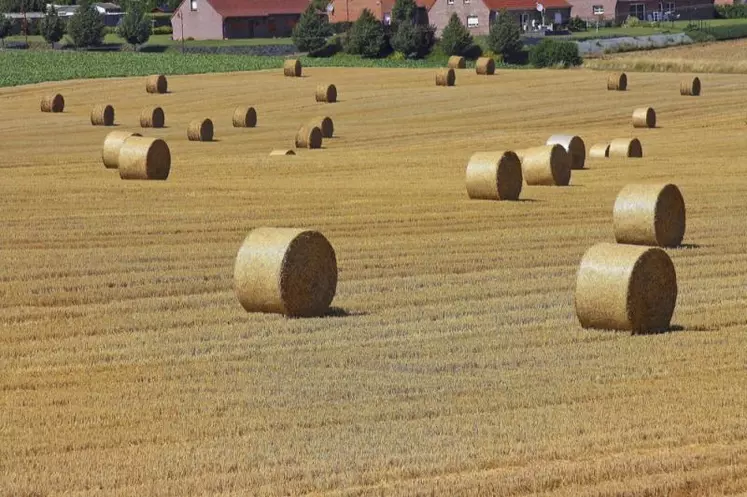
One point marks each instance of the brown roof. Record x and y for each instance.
(258, 8)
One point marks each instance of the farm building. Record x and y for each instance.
(618, 11)
(350, 10)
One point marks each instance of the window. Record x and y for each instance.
(450, 2)
(598, 10)
(472, 22)
(466, 1)
(638, 10)
(193, 5)
(670, 7)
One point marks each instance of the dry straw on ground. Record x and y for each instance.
(53, 103)
(152, 117)
(244, 117)
(324, 123)
(200, 130)
(144, 158)
(286, 270)
(485, 66)
(626, 287)
(599, 150)
(156, 83)
(574, 145)
(649, 214)
(112, 144)
(690, 87)
(457, 62)
(548, 165)
(445, 77)
(494, 176)
(626, 147)
(102, 115)
(309, 136)
(292, 68)
(644, 117)
(281, 152)
(326, 93)
(617, 82)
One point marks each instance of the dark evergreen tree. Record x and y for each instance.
(455, 39)
(312, 30)
(505, 36)
(366, 36)
(404, 11)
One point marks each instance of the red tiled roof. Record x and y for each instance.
(258, 8)
(425, 3)
(525, 4)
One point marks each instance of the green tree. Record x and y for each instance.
(414, 41)
(366, 36)
(320, 5)
(404, 11)
(135, 27)
(455, 39)
(85, 27)
(52, 28)
(312, 30)
(5, 27)
(22, 5)
(505, 36)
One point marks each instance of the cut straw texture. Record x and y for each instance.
(494, 176)
(200, 130)
(287, 271)
(156, 83)
(144, 158)
(617, 82)
(626, 147)
(152, 117)
(445, 77)
(599, 151)
(52, 103)
(292, 68)
(690, 87)
(485, 66)
(324, 123)
(281, 152)
(456, 62)
(574, 145)
(626, 287)
(644, 117)
(309, 136)
(326, 94)
(649, 214)
(102, 115)
(244, 117)
(112, 144)
(548, 165)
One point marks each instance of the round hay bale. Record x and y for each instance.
(599, 151)
(152, 117)
(617, 82)
(574, 145)
(53, 103)
(445, 77)
(548, 165)
(626, 287)
(200, 130)
(494, 176)
(292, 68)
(644, 117)
(244, 117)
(279, 152)
(309, 136)
(625, 147)
(144, 158)
(156, 83)
(457, 62)
(649, 214)
(326, 93)
(485, 66)
(112, 144)
(102, 115)
(325, 124)
(287, 271)
(690, 87)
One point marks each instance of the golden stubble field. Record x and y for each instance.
(454, 364)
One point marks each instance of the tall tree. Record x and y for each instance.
(455, 39)
(404, 11)
(312, 30)
(52, 28)
(85, 27)
(505, 36)
(366, 36)
(135, 27)
(5, 27)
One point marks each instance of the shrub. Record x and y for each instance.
(731, 11)
(5, 27)
(134, 28)
(340, 27)
(332, 47)
(455, 38)
(576, 24)
(312, 30)
(52, 28)
(85, 27)
(366, 37)
(414, 41)
(549, 53)
(632, 22)
(505, 37)
(163, 30)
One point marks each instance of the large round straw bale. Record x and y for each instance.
(626, 287)
(309, 136)
(599, 150)
(244, 117)
(690, 87)
(445, 77)
(649, 214)
(286, 270)
(617, 82)
(144, 158)
(200, 130)
(156, 83)
(548, 165)
(574, 145)
(292, 68)
(52, 103)
(324, 123)
(112, 144)
(494, 176)
(326, 93)
(102, 115)
(485, 66)
(152, 117)
(456, 62)
(626, 147)
(644, 117)
(279, 152)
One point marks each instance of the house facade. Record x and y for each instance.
(351, 10)
(617, 11)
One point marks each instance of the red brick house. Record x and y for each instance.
(223, 19)
(350, 10)
(477, 15)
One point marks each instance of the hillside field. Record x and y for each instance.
(453, 363)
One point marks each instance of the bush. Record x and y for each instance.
(333, 47)
(163, 30)
(632, 22)
(85, 27)
(340, 27)
(366, 37)
(312, 30)
(505, 37)
(455, 39)
(52, 28)
(550, 53)
(134, 28)
(731, 11)
(576, 24)
(414, 41)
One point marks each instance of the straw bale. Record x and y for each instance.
(309, 136)
(644, 117)
(690, 87)
(112, 144)
(200, 130)
(244, 117)
(485, 66)
(445, 77)
(626, 147)
(325, 124)
(102, 115)
(144, 158)
(494, 176)
(599, 150)
(456, 62)
(156, 83)
(617, 82)
(152, 117)
(292, 68)
(279, 152)
(53, 103)
(548, 165)
(649, 214)
(326, 93)
(574, 145)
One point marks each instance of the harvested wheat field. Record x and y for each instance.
(452, 362)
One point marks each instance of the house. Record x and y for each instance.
(223, 19)
(351, 10)
(617, 11)
(477, 15)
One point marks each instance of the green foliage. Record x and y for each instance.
(505, 37)
(52, 27)
(576, 24)
(413, 40)
(5, 27)
(22, 5)
(455, 39)
(163, 30)
(732, 11)
(403, 11)
(366, 37)
(320, 5)
(632, 22)
(552, 53)
(134, 28)
(332, 47)
(312, 30)
(85, 28)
